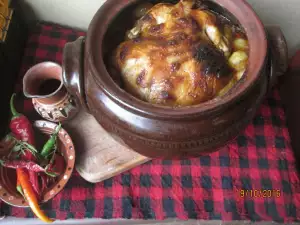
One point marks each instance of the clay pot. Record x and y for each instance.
(8, 192)
(43, 83)
(158, 131)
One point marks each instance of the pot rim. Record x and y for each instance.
(240, 9)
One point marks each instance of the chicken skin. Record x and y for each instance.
(177, 55)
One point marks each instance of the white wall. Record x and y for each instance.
(285, 13)
(75, 13)
(78, 13)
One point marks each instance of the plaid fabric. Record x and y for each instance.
(231, 184)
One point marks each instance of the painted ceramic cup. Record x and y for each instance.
(43, 84)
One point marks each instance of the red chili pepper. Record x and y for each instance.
(15, 164)
(57, 165)
(43, 182)
(22, 129)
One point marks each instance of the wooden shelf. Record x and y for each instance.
(4, 27)
(12, 43)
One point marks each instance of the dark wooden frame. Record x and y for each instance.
(11, 53)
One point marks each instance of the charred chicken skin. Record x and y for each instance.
(177, 55)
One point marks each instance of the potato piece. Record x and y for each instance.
(240, 44)
(238, 60)
(239, 74)
(227, 88)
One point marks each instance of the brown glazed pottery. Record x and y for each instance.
(158, 131)
(43, 83)
(8, 192)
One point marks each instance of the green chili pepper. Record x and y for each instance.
(51, 143)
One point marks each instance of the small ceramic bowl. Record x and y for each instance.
(43, 130)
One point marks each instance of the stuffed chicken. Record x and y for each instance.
(180, 55)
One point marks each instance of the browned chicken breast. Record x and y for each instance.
(178, 56)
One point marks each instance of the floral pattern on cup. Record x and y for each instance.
(57, 112)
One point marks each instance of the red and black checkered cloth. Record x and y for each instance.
(259, 162)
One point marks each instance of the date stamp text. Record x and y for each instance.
(257, 193)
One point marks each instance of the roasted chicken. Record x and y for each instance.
(177, 55)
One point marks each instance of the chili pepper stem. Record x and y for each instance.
(20, 190)
(57, 129)
(50, 174)
(24, 146)
(12, 107)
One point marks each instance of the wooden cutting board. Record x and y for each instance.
(98, 155)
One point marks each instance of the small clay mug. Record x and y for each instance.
(43, 84)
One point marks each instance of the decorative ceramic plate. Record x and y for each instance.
(8, 191)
